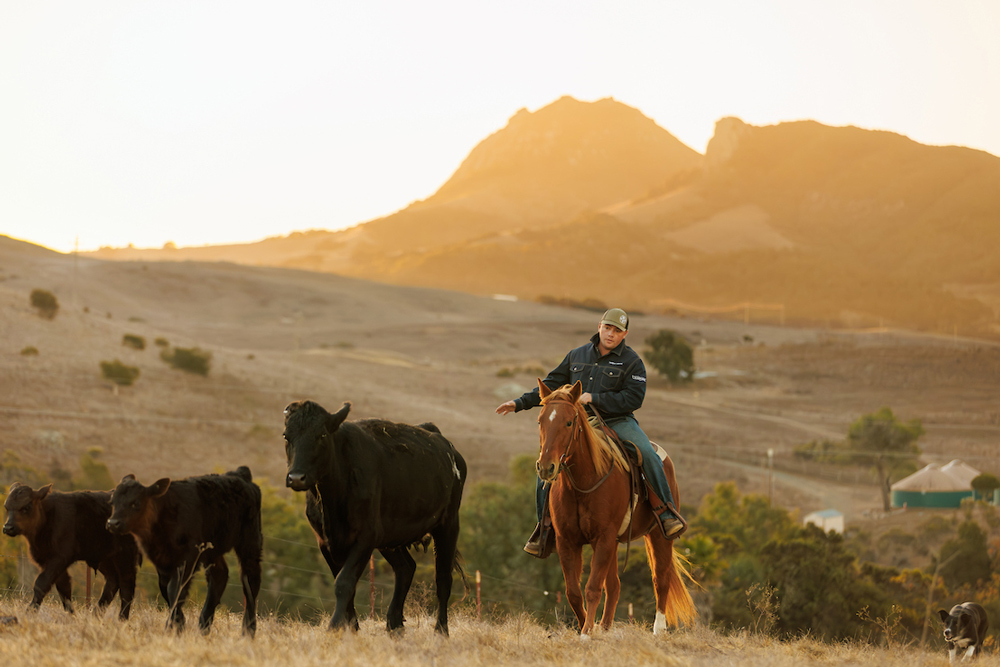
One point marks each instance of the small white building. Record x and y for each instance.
(827, 520)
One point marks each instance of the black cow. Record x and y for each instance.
(62, 528)
(373, 484)
(188, 523)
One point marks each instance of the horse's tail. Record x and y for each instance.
(679, 607)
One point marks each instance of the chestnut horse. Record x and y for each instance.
(589, 503)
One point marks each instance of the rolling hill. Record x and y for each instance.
(797, 222)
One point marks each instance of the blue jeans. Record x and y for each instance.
(629, 432)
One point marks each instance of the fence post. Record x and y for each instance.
(631, 617)
(371, 581)
(88, 585)
(479, 597)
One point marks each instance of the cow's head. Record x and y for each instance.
(308, 434)
(133, 506)
(24, 509)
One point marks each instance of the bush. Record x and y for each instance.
(30, 351)
(119, 373)
(161, 342)
(671, 355)
(133, 341)
(45, 302)
(191, 360)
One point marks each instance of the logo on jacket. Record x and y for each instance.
(638, 378)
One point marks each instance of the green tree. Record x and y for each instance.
(965, 559)
(819, 587)
(121, 374)
(739, 523)
(670, 355)
(880, 440)
(134, 341)
(985, 484)
(45, 303)
(189, 359)
(496, 520)
(94, 474)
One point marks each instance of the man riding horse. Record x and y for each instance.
(614, 384)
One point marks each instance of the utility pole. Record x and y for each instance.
(770, 476)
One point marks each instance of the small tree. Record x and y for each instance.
(119, 373)
(192, 360)
(94, 474)
(45, 302)
(880, 440)
(985, 484)
(671, 355)
(133, 341)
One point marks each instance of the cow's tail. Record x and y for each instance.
(456, 566)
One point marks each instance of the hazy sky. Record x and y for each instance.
(224, 122)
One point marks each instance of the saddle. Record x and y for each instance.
(640, 487)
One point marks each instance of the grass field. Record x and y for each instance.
(52, 637)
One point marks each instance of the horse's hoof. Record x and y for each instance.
(585, 638)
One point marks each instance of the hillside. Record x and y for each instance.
(417, 354)
(835, 226)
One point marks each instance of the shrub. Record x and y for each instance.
(45, 302)
(133, 341)
(671, 355)
(119, 373)
(191, 360)
(30, 351)
(161, 342)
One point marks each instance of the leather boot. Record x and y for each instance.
(542, 542)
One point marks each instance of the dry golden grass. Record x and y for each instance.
(52, 637)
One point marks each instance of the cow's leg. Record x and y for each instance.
(177, 590)
(403, 567)
(64, 586)
(125, 564)
(250, 580)
(216, 576)
(44, 582)
(111, 583)
(445, 546)
(347, 583)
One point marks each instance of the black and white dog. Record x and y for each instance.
(964, 628)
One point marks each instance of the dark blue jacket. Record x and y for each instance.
(616, 381)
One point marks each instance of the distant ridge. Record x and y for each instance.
(840, 225)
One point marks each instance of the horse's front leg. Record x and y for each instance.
(605, 558)
(612, 589)
(571, 560)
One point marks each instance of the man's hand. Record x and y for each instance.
(585, 399)
(504, 408)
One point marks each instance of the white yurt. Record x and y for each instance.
(933, 486)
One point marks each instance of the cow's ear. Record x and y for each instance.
(576, 391)
(128, 477)
(159, 487)
(543, 389)
(42, 492)
(337, 418)
(13, 486)
(944, 615)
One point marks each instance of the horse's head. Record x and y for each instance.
(558, 425)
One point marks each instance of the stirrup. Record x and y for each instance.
(541, 543)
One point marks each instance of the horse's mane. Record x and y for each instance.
(602, 453)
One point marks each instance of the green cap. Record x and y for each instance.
(616, 317)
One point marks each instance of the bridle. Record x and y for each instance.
(576, 431)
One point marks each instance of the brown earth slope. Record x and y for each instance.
(415, 354)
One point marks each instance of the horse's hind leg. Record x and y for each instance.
(445, 545)
(403, 566)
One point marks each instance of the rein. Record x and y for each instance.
(578, 429)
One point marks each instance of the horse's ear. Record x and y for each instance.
(576, 391)
(543, 389)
